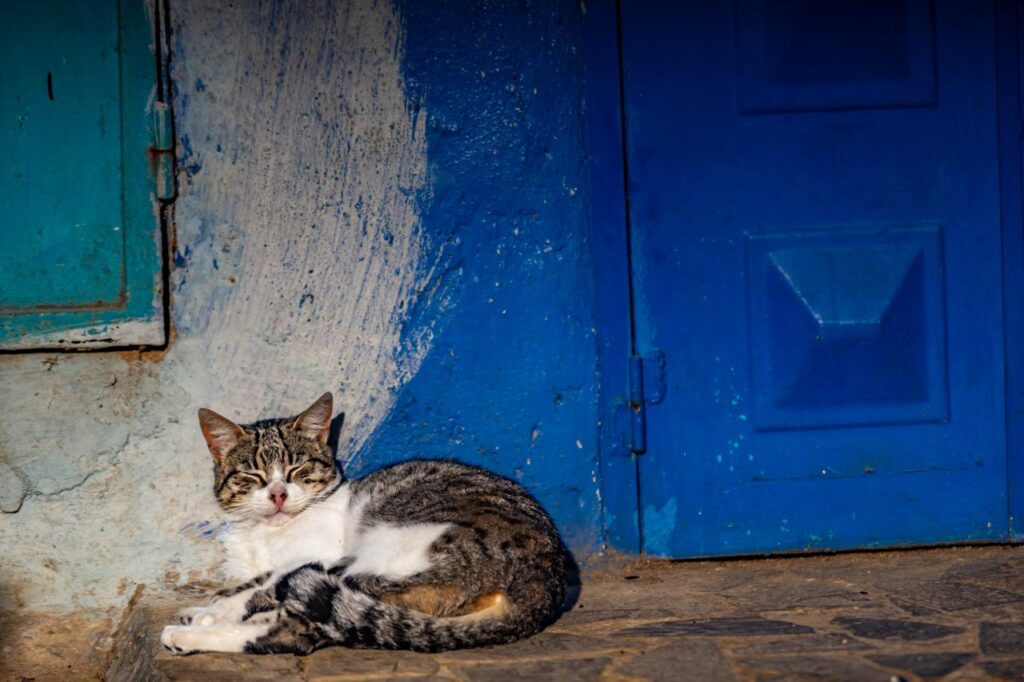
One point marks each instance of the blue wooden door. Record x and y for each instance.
(815, 236)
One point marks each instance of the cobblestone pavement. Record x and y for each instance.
(951, 614)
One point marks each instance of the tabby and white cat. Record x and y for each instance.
(424, 555)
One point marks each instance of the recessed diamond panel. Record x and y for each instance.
(847, 328)
(808, 55)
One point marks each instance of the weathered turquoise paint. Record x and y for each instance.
(81, 257)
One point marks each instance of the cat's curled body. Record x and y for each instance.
(424, 555)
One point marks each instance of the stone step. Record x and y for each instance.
(953, 613)
(139, 657)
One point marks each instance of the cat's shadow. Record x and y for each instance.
(573, 581)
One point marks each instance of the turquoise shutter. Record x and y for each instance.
(80, 238)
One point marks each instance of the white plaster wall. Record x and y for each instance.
(299, 250)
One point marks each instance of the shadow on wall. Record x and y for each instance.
(337, 424)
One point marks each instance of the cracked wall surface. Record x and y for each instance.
(368, 204)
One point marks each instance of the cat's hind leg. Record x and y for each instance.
(224, 611)
(228, 606)
(191, 639)
(258, 581)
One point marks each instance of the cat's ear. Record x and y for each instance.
(315, 422)
(221, 434)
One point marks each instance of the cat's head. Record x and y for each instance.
(269, 471)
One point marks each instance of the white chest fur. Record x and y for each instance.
(324, 532)
(394, 551)
(327, 532)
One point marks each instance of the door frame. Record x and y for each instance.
(1009, 20)
(609, 234)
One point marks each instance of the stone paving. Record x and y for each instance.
(950, 614)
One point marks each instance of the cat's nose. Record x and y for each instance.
(278, 494)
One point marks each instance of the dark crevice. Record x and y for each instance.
(623, 124)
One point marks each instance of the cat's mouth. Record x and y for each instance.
(278, 518)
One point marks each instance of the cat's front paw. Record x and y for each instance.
(192, 639)
(188, 614)
(180, 639)
(228, 611)
(201, 615)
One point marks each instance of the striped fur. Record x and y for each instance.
(423, 555)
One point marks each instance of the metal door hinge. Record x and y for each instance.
(643, 393)
(162, 150)
(637, 409)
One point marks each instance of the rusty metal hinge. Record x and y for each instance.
(163, 150)
(637, 408)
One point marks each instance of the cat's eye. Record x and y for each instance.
(260, 478)
(290, 473)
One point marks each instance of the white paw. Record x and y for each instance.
(189, 614)
(265, 617)
(204, 615)
(181, 639)
(190, 639)
(227, 611)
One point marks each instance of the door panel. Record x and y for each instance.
(847, 328)
(81, 264)
(814, 217)
(71, 242)
(807, 55)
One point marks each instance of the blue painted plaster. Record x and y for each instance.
(510, 381)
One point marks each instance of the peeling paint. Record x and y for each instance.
(659, 524)
(91, 334)
(12, 489)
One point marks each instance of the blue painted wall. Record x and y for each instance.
(510, 381)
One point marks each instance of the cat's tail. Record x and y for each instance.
(335, 613)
